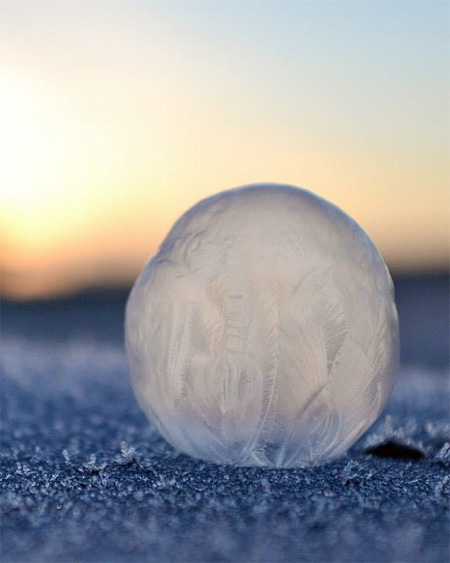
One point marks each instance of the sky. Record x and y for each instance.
(116, 117)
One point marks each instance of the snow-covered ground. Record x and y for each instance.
(84, 477)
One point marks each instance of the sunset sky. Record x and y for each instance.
(115, 117)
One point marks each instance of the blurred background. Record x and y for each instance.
(118, 116)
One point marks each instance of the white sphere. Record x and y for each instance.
(264, 331)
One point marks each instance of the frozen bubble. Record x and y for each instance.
(264, 331)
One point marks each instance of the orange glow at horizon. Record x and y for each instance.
(110, 128)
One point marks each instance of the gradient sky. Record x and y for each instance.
(115, 117)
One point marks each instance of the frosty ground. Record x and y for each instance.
(84, 477)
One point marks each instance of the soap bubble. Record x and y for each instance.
(264, 331)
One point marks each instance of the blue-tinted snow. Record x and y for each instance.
(84, 477)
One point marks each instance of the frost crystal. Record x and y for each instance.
(264, 331)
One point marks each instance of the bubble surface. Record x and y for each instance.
(264, 331)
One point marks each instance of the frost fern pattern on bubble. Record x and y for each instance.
(264, 331)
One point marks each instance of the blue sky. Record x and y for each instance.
(120, 115)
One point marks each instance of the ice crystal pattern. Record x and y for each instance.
(264, 331)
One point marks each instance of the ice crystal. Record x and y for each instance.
(264, 331)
